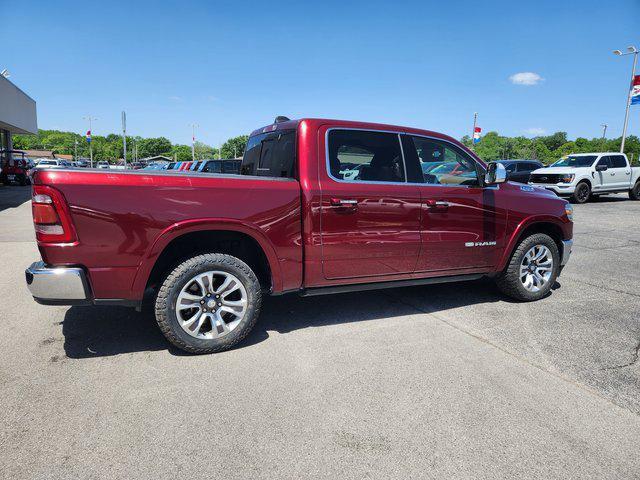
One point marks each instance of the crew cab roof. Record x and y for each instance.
(293, 124)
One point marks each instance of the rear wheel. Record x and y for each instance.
(22, 180)
(532, 270)
(582, 193)
(208, 303)
(634, 193)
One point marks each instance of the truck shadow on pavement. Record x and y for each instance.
(106, 331)
(13, 196)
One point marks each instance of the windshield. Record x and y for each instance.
(576, 161)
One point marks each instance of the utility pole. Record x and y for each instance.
(193, 141)
(89, 134)
(631, 50)
(124, 137)
(75, 151)
(604, 130)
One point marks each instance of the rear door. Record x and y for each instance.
(370, 214)
(462, 228)
(621, 172)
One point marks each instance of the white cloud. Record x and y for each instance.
(525, 78)
(175, 98)
(535, 132)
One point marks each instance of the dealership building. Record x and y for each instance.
(17, 113)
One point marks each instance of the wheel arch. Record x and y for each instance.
(190, 238)
(546, 225)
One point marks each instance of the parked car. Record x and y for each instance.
(47, 163)
(15, 168)
(581, 176)
(82, 163)
(520, 170)
(207, 248)
(229, 166)
(103, 164)
(157, 166)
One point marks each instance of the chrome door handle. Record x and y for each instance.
(437, 204)
(340, 202)
(613, 174)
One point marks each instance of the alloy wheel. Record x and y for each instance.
(211, 304)
(536, 268)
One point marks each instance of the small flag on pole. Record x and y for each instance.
(635, 91)
(88, 136)
(477, 131)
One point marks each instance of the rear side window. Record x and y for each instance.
(617, 161)
(270, 154)
(364, 156)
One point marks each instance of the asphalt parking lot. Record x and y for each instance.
(449, 381)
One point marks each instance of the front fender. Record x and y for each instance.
(205, 224)
(564, 227)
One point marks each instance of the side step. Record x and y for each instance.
(358, 287)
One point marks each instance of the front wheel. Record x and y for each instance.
(208, 303)
(582, 193)
(532, 269)
(634, 193)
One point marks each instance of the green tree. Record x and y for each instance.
(234, 147)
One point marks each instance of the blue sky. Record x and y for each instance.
(233, 66)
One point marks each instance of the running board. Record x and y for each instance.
(358, 287)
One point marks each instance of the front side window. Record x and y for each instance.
(511, 168)
(443, 164)
(364, 156)
(605, 161)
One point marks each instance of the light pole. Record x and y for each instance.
(193, 141)
(90, 118)
(75, 150)
(631, 50)
(604, 130)
(124, 137)
(473, 132)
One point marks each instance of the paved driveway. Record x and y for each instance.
(449, 381)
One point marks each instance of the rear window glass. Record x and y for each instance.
(270, 154)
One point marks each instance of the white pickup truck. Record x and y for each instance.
(581, 176)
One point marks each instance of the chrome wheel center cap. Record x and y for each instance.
(211, 304)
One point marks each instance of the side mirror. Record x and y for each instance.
(496, 173)
(601, 168)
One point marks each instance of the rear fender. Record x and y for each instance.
(198, 225)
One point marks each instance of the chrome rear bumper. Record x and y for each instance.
(566, 251)
(58, 285)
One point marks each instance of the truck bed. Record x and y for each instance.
(124, 219)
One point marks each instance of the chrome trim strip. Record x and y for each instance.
(406, 182)
(327, 164)
(168, 173)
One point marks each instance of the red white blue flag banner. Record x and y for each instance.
(88, 136)
(477, 131)
(635, 91)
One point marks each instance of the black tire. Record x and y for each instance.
(174, 282)
(634, 193)
(22, 180)
(582, 193)
(509, 281)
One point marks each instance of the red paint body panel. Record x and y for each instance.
(124, 220)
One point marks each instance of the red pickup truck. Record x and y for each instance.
(319, 207)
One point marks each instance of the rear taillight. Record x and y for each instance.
(51, 216)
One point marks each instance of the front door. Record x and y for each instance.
(462, 226)
(370, 215)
